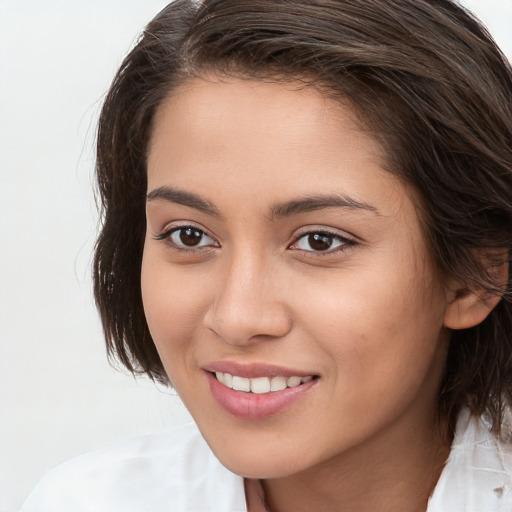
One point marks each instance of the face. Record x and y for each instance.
(285, 278)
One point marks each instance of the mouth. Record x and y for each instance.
(256, 392)
(261, 385)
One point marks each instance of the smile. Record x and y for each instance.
(260, 385)
(257, 398)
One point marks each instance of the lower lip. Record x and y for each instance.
(254, 406)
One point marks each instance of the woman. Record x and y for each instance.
(307, 231)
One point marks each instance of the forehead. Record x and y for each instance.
(251, 137)
(248, 109)
(256, 117)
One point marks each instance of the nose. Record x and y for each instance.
(249, 303)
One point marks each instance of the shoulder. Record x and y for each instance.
(478, 473)
(175, 471)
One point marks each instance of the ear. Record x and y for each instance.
(470, 307)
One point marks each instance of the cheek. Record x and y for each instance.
(173, 305)
(378, 328)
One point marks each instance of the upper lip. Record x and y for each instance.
(254, 370)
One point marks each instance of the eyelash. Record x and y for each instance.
(344, 242)
(166, 235)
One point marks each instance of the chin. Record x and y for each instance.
(259, 463)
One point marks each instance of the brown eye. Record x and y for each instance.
(190, 237)
(320, 241)
(187, 237)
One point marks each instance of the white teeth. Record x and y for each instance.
(293, 382)
(228, 380)
(277, 383)
(260, 385)
(241, 384)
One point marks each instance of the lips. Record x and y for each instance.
(257, 391)
(254, 370)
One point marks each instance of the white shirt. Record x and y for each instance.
(477, 476)
(177, 472)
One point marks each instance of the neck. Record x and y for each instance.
(395, 471)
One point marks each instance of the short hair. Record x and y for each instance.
(423, 76)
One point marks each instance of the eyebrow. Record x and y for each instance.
(280, 210)
(319, 202)
(178, 196)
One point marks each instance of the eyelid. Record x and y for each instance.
(346, 239)
(172, 227)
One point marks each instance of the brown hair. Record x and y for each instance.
(424, 76)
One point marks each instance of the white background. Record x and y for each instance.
(58, 396)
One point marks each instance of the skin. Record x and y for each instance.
(367, 317)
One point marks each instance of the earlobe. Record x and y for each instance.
(468, 308)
